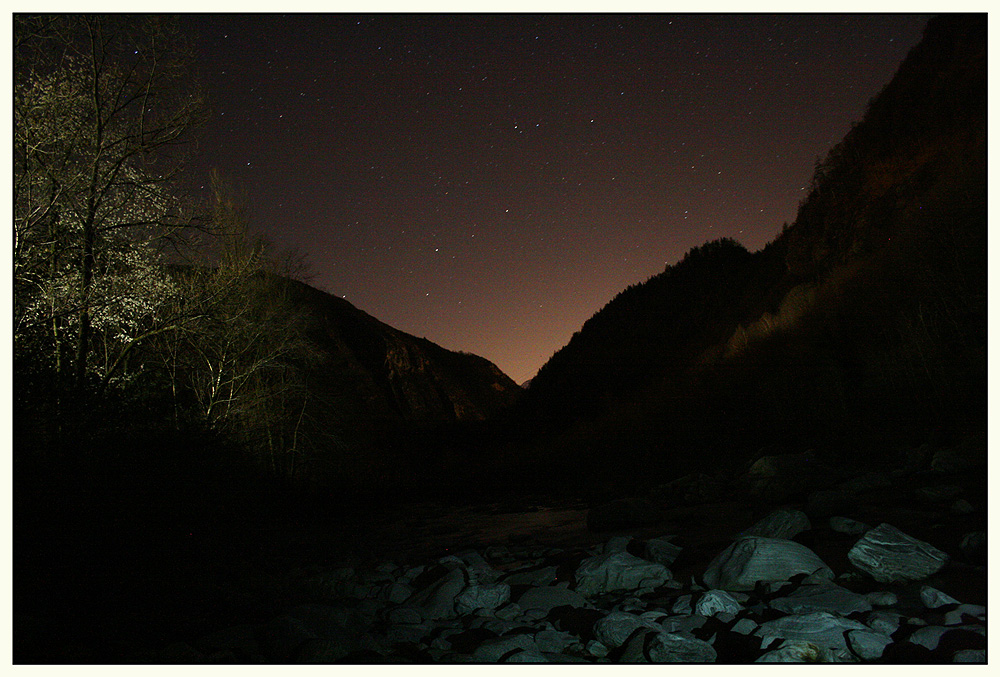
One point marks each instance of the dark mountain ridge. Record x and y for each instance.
(862, 325)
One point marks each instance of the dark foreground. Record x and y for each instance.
(522, 579)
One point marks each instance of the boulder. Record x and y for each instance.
(784, 523)
(716, 601)
(492, 650)
(667, 647)
(882, 598)
(957, 615)
(661, 550)
(801, 651)
(482, 596)
(959, 459)
(845, 525)
(778, 478)
(868, 645)
(829, 597)
(753, 559)
(973, 545)
(969, 656)
(617, 571)
(934, 598)
(889, 556)
(884, 622)
(821, 628)
(554, 641)
(438, 599)
(548, 597)
(615, 628)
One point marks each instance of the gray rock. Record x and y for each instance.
(784, 523)
(596, 649)
(776, 478)
(509, 612)
(482, 596)
(846, 525)
(549, 597)
(396, 592)
(744, 626)
(973, 545)
(882, 598)
(801, 651)
(479, 570)
(667, 647)
(661, 551)
(684, 623)
(829, 597)
(752, 559)
(554, 641)
(868, 645)
(616, 571)
(934, 598)
(406, 615)
(884, 622)
(928, 636)
(821, 628)
(956, 616)
(438, 599)
(617, 544)
(889, 556)
(683, 605)
(528, 656)
(612, 630)
(959, 459)
(492, 650)
(969, 656)
(716, 601)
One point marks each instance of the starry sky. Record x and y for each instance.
(491, 181)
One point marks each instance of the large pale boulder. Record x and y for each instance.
(753, 559)
(618, 571)
(667, 647)
(821, 628)
(889, 556)
(826, 597)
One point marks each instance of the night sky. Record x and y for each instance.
(491, 181)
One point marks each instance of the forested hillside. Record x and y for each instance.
(861, 328)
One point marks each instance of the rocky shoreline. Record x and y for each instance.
(835, 568)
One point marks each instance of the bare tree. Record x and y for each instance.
(102, 111)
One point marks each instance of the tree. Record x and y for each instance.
(103, 109)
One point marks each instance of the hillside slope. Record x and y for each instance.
(863, 325)
(378, 373)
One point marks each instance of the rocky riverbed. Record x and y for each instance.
(793, 561)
